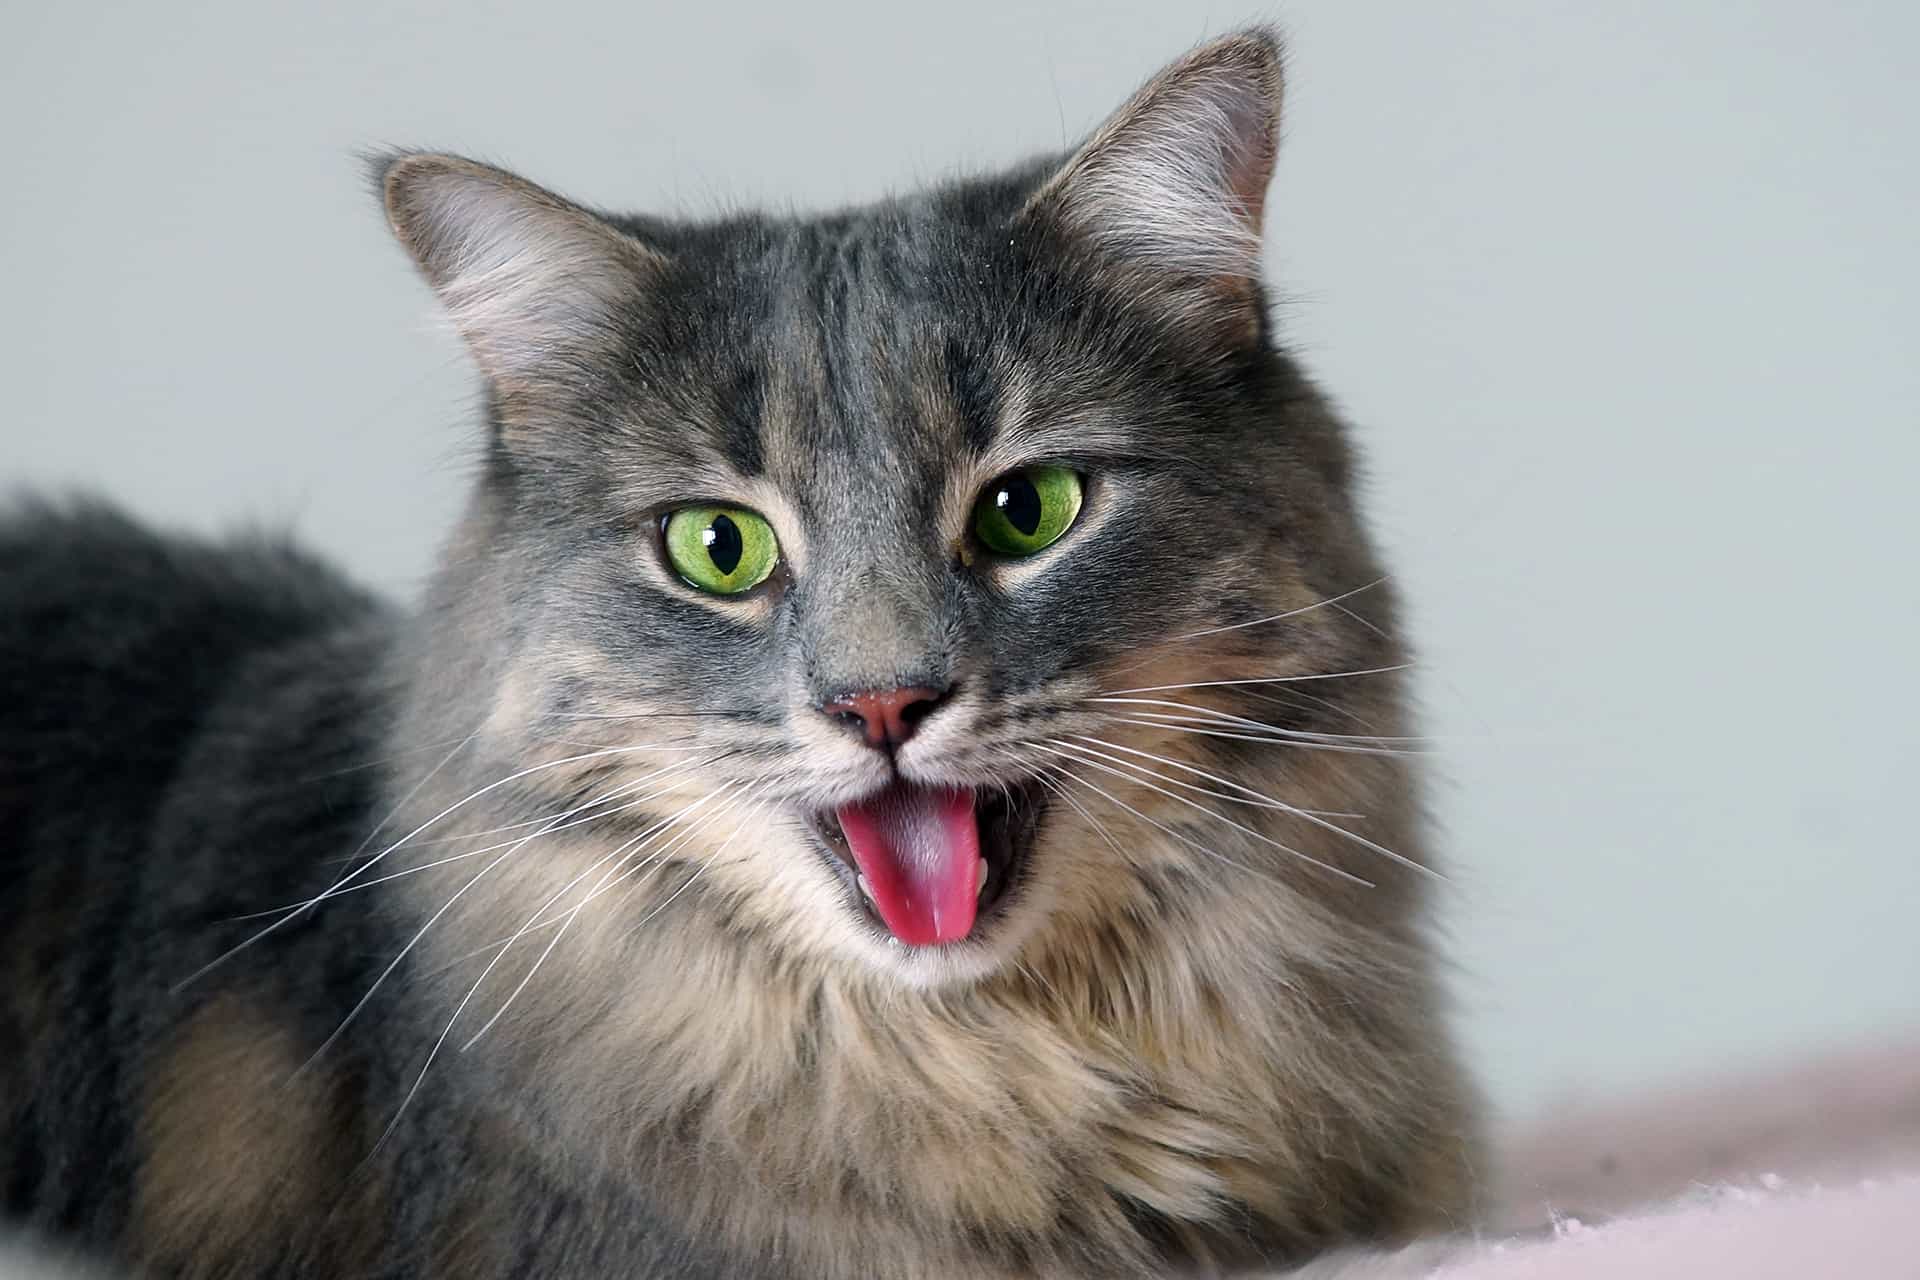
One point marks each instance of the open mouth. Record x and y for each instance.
(931, 863)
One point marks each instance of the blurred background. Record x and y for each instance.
(1621, 299)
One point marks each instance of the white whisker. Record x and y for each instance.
(624, 789)
(1194, 713)
(1185, 840)
(1085, 757)
(473, 990)
(355, 874)
(414, 941)
(1299, 679)
(605, 797)
(637, 870)
(1377, 630)
(1248, 796)
(1099, 828)
(1290, 613)
(666, 902)
(401, 804)
(1294, 698)
(1178, 724)
(567, 918)
(1304, 815)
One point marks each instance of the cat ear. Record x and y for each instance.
(1176, 180)
(535, 284)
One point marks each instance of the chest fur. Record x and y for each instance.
(1056, 1121)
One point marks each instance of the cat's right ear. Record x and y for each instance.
(534, 283)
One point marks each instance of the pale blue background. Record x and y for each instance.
(1621, 298)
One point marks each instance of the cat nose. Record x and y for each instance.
(885, 717)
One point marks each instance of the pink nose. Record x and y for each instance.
(887, 717)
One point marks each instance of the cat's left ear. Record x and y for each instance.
(1174, 184)
(536, 285)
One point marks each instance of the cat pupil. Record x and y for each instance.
(723, 542)
(1019, 502)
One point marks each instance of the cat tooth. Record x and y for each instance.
(980, 886)
(866, 889)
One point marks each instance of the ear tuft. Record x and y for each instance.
(1177, 178)
(530, 280)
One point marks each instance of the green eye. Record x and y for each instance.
(1025, 511)
(725, 550)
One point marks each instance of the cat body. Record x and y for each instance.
(1021, 875)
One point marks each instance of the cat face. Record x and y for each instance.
(867, 547)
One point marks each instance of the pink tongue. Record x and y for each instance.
(919, 848)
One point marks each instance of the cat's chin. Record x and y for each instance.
(1008, 820)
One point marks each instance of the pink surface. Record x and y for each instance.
(1863, 1232)
(1807, 1171)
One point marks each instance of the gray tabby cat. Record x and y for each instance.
(898, 774)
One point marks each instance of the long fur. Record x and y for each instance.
(491, 938)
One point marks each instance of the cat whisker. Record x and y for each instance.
(1262, 801)
(1195, 713)
(630, 864)
(375, 762)
(567, 919)
(1087, 757)
(473, 990)
(1188, 841)
(324, 894)
(607, 797)
(646, 715)
(1270, 618)
(600, 753)
(624, 789)
(713, 857)
(1330, 601)
(499, 955)
(1179, 724)
(1304, 678)
(422, 932)
(1099, 827)
(1294, 698)
(1247, 795)
(401, 804)
(468, 956)
(1367, 623)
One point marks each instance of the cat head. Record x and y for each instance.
(898, 565)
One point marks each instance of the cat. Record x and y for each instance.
(902, 770)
